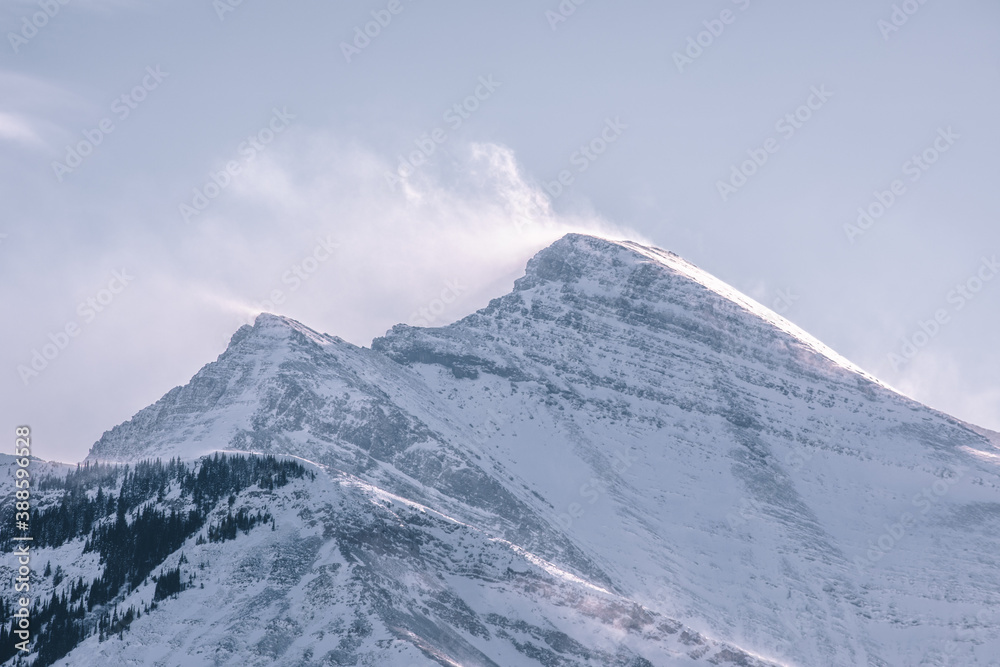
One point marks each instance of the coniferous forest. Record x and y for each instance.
(133, 517)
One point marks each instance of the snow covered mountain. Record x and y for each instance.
(623, 461)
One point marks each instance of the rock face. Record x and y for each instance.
(624, 461)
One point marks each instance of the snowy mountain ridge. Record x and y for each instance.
(689, 270)
(630, 431)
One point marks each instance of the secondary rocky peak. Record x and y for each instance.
(271, 331)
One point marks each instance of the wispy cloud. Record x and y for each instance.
(35, 112)
(15, 128)
(475, 218)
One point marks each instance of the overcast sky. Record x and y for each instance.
(171, 168)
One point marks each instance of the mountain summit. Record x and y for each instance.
(670, 472)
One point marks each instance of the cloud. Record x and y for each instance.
(35, 113)
(472, 217)
(15, 128)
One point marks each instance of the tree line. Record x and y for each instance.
(123, 514)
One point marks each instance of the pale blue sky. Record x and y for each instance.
(531, 91)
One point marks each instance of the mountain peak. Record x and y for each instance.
(641, 426)
(570, 258)
(580, 258)
(275, 328)
(266, 322)
(271, 320)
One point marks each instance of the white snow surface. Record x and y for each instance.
(303, 594)
(625, 427)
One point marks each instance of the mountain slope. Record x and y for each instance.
(349, 575)
(648, 429)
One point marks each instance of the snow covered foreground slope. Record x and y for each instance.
(354, 576)
(648, 430)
